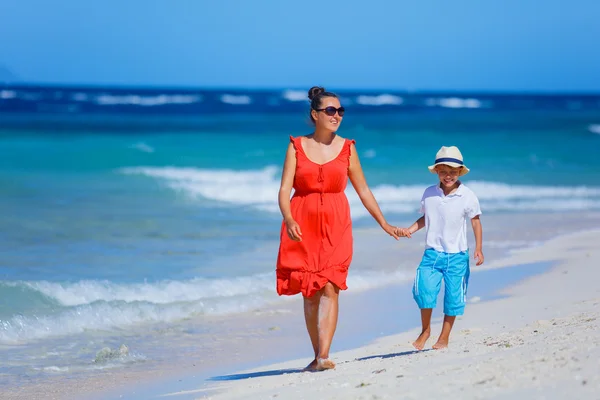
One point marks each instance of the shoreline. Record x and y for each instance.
(522, 344)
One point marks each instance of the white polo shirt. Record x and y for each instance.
(446, 217)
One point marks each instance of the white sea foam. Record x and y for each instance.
(53, 368)
(146, 101)
(594, 128)
(163, 292)
(236, 99)
(102, 305)
(143, 147)
(102, 315)
(259, 188)
(454, 102)
(8, 94)
(380, 100)
(295, 95)
(253, 187)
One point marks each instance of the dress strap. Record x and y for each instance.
(349, 143)
(296, 142)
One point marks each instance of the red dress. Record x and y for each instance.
(319, 205)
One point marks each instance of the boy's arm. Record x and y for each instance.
(478, 231)
(407, 232)
(420, 223)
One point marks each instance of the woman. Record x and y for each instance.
(316, 235)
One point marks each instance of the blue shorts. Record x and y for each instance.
(454, 268)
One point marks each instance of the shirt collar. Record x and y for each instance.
(459, 190)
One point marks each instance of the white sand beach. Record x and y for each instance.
(542, 342)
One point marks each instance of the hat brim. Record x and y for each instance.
(464, 170)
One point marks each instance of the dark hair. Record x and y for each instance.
(316, 94)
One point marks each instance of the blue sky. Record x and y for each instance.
(526, 45)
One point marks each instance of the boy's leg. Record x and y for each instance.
(419, 344)
(456, 280)
(442, 341)
(428, 281)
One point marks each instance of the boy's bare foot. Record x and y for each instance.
(419, 344)
(312, 366)
(324, 363)
(441, 344)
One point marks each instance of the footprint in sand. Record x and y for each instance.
(470, 330)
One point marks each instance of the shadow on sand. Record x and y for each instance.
(276, 372)
(392, 355)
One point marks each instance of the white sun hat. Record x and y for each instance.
(450, 156)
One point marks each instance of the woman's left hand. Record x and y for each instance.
(391, 230)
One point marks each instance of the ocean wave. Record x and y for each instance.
(236, 99)
(8, 94)
(109, 316)
(139, 100)
(198, 101)
(453, 102)
(230, 187)
(380, 100)
(101, 305)
(503, 191)
(143, 147)
(295, 95)
(164, 292)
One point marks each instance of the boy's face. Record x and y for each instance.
(447, 174)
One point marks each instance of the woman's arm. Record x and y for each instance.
(357, 178)
(285, 190)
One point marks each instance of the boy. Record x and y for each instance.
(445, 207)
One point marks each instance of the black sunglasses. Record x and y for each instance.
(332, 110)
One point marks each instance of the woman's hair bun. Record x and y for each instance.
(315, 91)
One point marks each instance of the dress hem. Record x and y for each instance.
(292, 282)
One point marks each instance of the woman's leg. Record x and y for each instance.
(311, 316)
(328, 316)
(321, 315)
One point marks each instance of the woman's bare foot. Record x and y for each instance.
(441, 344)
(419, 344)
(325, 363)
(312, 366)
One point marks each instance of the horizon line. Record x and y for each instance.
(153, 87)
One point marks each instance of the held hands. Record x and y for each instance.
(293, 230)
(403, 232)
(478, 256)
(391, 230)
